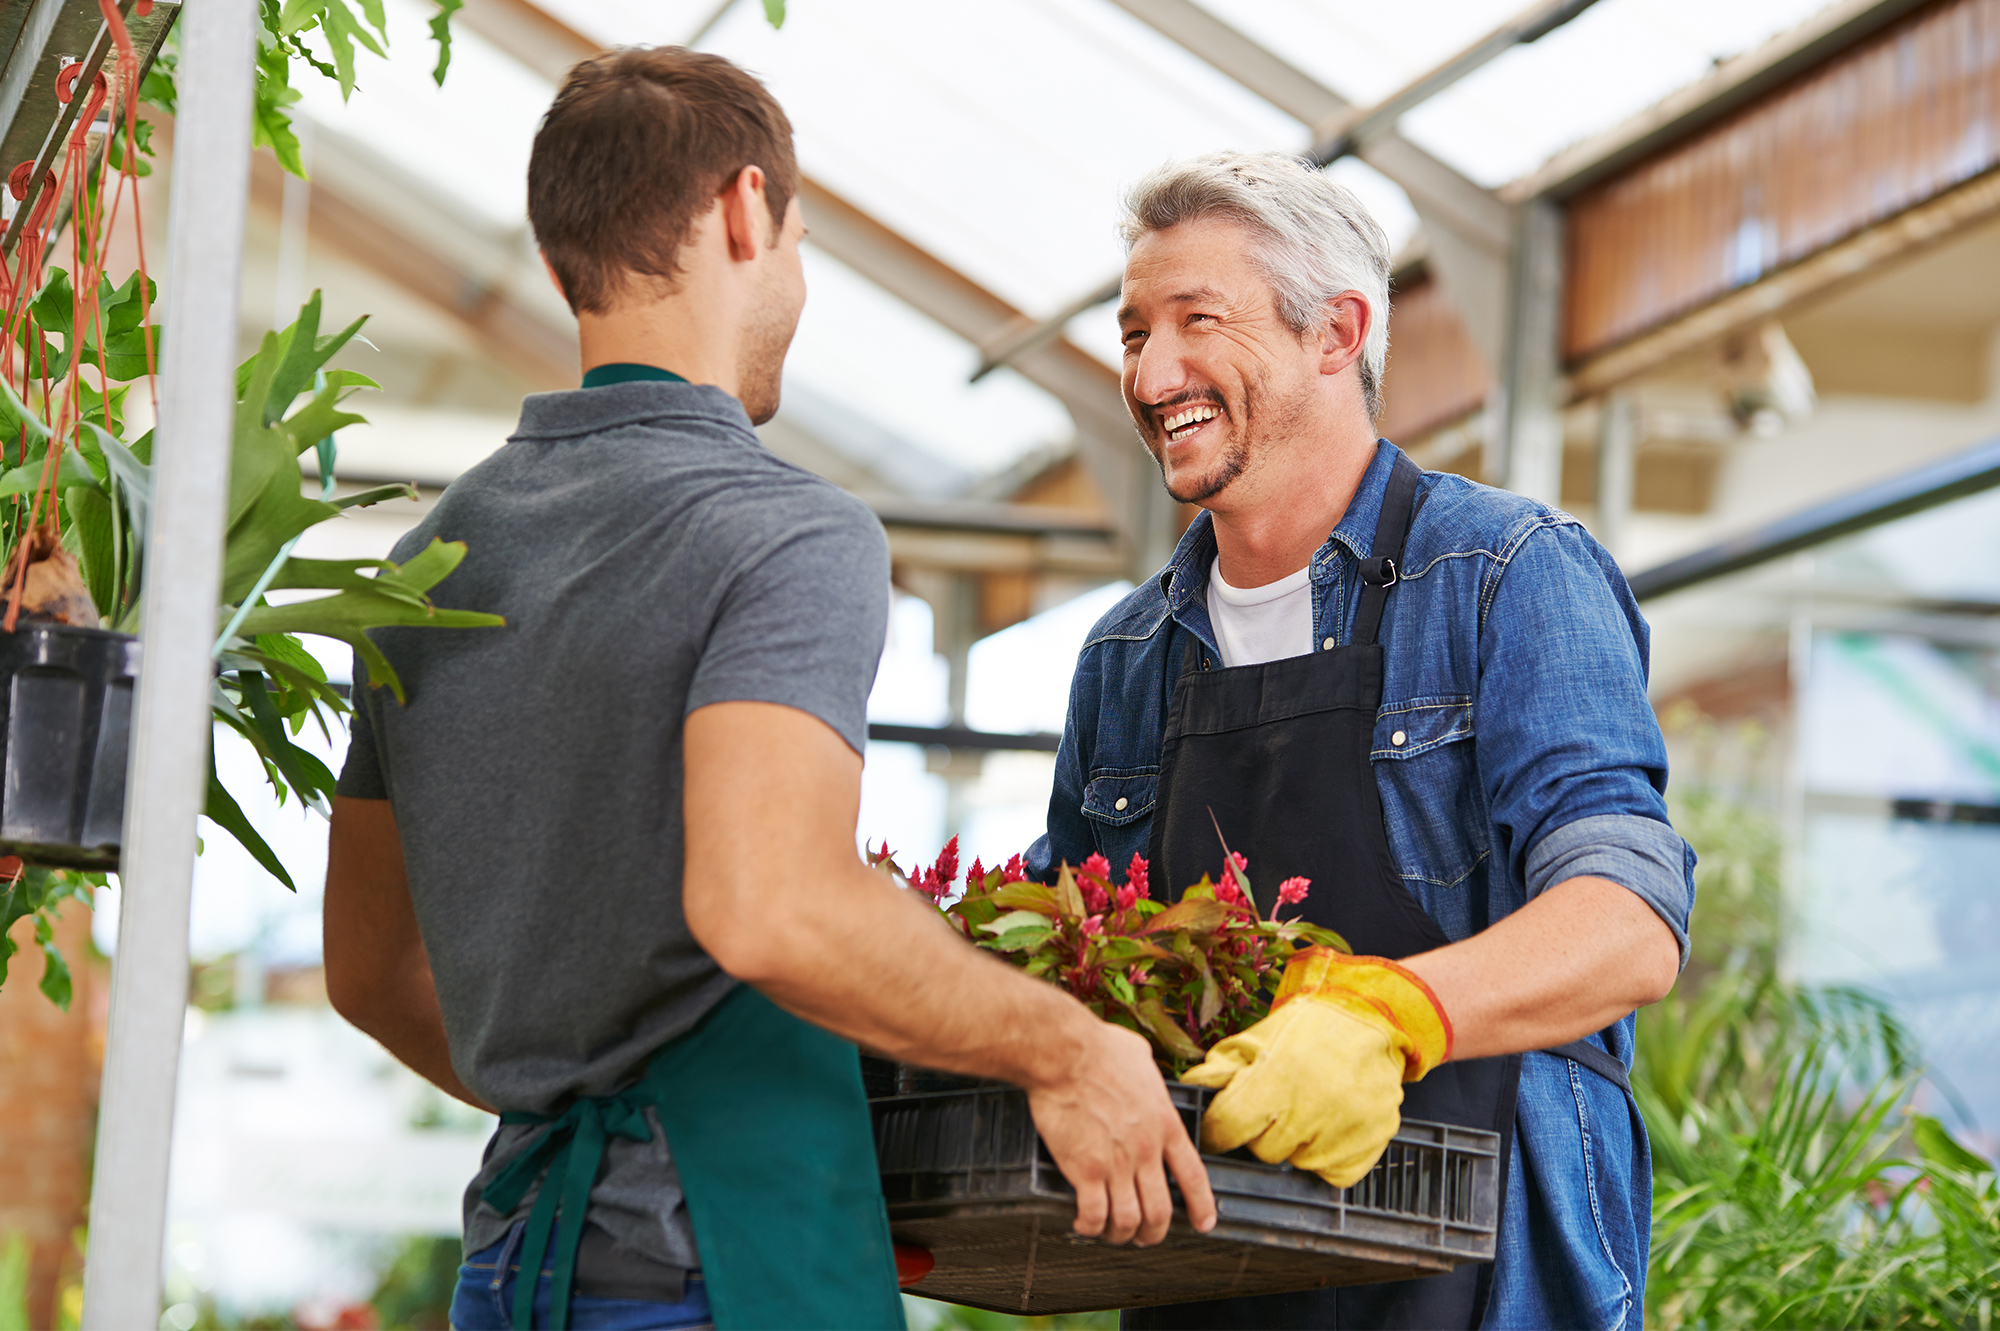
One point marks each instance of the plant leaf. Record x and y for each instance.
(1196, 916)
(225, 813)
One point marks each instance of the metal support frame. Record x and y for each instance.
(1528, 399)
(168, 777)
(1617, 442)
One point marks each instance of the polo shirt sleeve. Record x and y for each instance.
(361, 775)
(1570, 752)
(802, 619)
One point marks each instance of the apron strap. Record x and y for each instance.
(1392, 529)
(1597, 1060)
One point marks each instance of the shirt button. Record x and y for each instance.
(1120, 805)
(1398, 738)
(1327, 645)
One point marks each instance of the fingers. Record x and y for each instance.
(1192, 1175)
(1092, 1206)
(1125, 1212)
(1156, 1203)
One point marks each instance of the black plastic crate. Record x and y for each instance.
(966, 1176)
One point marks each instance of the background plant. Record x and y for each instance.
(1794, 1183)
(1183, 975)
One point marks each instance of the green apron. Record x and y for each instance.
(769, 1129)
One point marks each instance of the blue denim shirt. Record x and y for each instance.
(1515, 748)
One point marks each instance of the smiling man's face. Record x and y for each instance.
(1212, 376)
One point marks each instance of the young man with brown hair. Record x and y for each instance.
(599, 872)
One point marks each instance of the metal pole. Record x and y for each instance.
(1617, 439)
(168, 779)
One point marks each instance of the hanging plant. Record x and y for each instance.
(1183, 975)
(75, 507)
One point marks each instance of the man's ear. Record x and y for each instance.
(746, 219)
(1343, 331)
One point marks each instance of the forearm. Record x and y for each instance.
(401, 1014)
(868, 961)
(1575, 959)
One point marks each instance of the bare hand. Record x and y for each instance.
(1110, 1126)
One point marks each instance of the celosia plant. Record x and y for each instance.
(1183, 975)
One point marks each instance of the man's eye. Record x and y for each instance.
(1193, 317)
(1134, 333)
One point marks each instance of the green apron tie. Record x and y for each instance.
(572, 1150)
(769, 1130)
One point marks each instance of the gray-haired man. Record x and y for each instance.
(1428, 697)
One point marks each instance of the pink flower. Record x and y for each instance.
(933, 884)
(1242, 864)
(1293, 890)
(1135, 876)
(1094, 925)
(976, 875)
(1127, 896)
(1095, 898)
(1227, 892)
(947, 861)
(1096, 867)
(1015, 871)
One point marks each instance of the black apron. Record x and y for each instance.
(1279, 753)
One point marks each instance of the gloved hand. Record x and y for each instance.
(1319, 1082)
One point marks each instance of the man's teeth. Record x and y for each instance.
(1186, 420)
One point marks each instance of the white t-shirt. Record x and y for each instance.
(1261, 624)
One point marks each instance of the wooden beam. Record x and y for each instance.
(1865, 252)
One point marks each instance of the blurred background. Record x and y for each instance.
(1720, 278)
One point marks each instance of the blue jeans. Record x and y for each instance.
(484, 1300)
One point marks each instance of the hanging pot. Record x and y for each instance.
(65, 726)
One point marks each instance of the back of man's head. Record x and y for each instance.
(636, 147)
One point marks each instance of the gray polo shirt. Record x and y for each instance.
(650, 557)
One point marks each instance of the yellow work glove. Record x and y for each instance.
(1319, 1082)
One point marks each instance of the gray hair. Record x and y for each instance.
(1316, 240)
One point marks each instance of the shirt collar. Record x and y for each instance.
(624, 372)
(1186, 574)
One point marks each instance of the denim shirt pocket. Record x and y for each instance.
(1118, 802)
(1429, 778)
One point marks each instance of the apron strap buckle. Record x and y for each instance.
(1380, 571)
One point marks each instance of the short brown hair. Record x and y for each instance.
(639, 142)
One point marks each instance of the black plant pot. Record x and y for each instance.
(65, 726)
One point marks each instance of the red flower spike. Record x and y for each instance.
(1094, 925)
(1227, 892)
(976, 875)
(1096, 867)
(1128, 896)
(1242, 864)
(947, 862)
(1015, 871)
(1096, 899)
(1135, 876)
(1293, 890)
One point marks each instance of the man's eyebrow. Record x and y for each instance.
(1192, 296)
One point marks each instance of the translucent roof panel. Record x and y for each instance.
(1503, 121)
(997, 136)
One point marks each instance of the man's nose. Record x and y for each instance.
(1160, 374)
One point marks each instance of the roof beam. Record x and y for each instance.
(1435, 188)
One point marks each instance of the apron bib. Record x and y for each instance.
(769, 1130)
(1279, 753)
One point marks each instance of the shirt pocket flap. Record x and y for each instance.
(1420, 725)
(1118, 797)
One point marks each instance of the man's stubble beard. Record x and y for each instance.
(761, 366)
(1285, 417)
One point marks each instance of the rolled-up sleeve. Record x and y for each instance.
(1570, 753)
(1646, 857)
